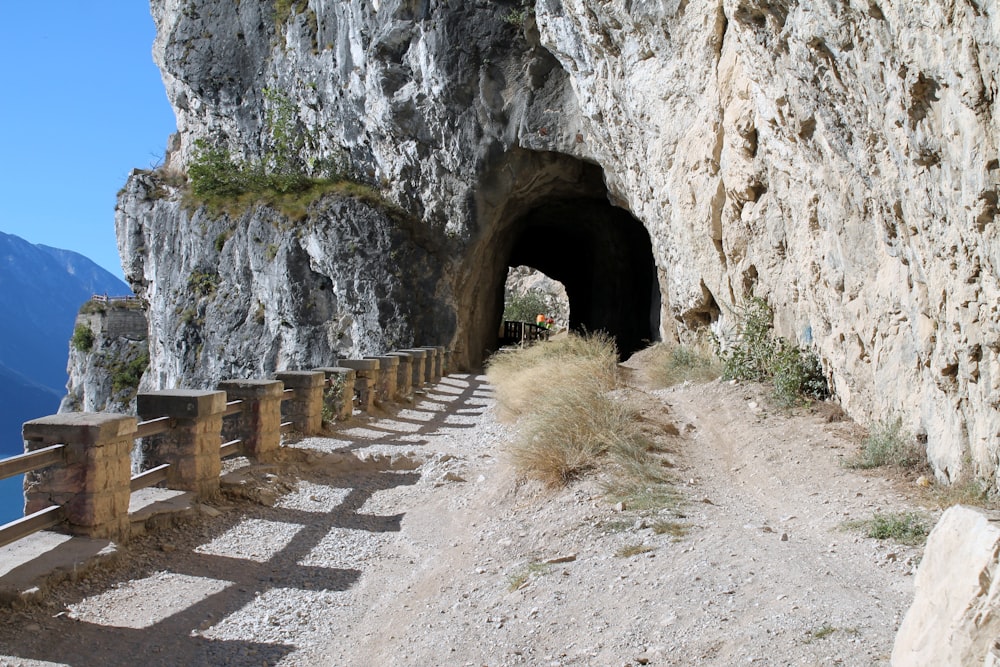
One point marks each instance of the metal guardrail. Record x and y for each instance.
(231, 448)
(233, 408)
(152, 427)
(40, 458)
(20, 528)
(150, 477)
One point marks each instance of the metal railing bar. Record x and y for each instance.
(152, 427)
(149, 477)
(21, 528)
(22, 463)
(233, 408)
(287, 426)
(230, 448)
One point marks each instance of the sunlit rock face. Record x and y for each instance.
(837, 159)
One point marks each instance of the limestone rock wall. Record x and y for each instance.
(243, 297)
(838, 158)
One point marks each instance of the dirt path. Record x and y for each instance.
(407, 540)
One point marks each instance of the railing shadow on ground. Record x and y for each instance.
(464, 396)
(307, 552)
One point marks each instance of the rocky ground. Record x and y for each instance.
(406, 539)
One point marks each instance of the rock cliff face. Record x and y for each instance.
(664, 159)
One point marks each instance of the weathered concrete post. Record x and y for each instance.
(338, 398)
(305, 410)
(419, 357)
(437, 371)
(366, 380)
(431, 365)
(445, 360)
(93, 485)
(388, 370)
(191, 446)
(404, 374)
(258, 424)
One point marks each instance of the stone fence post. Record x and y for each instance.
(338, 398)
(419, 357)
(305, 410)
(430, 365)
(437, 369)
(191, 446)
(388, 370)
(258, 423)
(93, 486)
(366, 381)
(404, 374)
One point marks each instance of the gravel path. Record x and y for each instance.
(407, 540)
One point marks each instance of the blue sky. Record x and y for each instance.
(81, 104)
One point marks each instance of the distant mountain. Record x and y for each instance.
(22, 400)
(41, 290)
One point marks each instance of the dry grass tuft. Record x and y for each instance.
(569, 420)
(559, 390)
(970, 492)
(670, 365)
(673, 528)
(630, 550)
(888, 444)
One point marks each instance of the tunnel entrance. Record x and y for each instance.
(604, 258)
(552, 212)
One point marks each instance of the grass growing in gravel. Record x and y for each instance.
(672, 528)
(826, 630)
(969, 492)
(630, 550)
(888, 444)
(670, 365)
(530, 571)
(903, 527)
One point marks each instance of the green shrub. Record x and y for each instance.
(518, 15)
(905, 527)
(83, 338)
(523, 307)
(220, 240)
(757, 355)
(334, 399)
(796, 373)
(203, 283)
(125, 375)
(888, 444)
(749, 356)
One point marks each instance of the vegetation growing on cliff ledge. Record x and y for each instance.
(285, 178)
(83, 338)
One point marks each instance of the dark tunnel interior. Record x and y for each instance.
(604, 258)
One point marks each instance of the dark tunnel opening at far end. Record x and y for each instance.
(604, 258)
